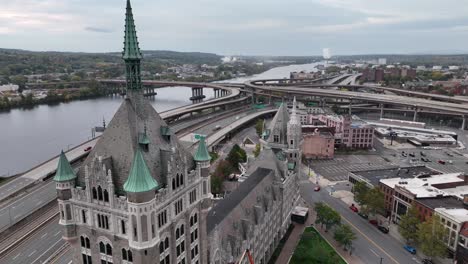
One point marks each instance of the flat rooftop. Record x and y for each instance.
(374, 176)
(441, 202)
(459, 215)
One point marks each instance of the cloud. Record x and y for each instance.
(98, 30)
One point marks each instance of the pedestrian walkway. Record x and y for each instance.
(295, 236)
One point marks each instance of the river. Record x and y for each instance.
(31, 136)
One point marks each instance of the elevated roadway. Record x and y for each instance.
(353, 87)
(411, 102)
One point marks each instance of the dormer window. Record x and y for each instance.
(166, 133)
(143, 141)
(276, 138)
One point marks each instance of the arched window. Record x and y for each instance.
(177, 233)
(195, 218)
(106, 196)
(94, 193)
(182, 230)
(109, 250)
(124, 254)
(181, 179)
(177, 181)
(173, 184)
(99, 190)
(161, 247)
(88, 244)
(130, 256)
(102, 247)
(82, 241)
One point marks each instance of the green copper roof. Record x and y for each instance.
(131, 49)
(139, 179)
(143, 139)
(202, 153)
(64, 170)
(165, 131)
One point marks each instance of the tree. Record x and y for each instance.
(257, 150)
(409, 225)
(236, 155)
(326, 216)
(360, 190)
(223, 170)
(216, 184)
(374, 200)
(431, 237)
(259, 127)
(345, 236)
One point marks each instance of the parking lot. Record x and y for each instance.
(338, 168)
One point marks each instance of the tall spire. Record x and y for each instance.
(131, 49)
(131, 53)
(294, 119)
(64, 170)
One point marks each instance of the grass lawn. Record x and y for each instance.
(312, 248)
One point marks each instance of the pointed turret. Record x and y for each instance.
(131, 50)
(140, 179)
(202, 153)
(278, 127)
(64, 170)
(294, 119)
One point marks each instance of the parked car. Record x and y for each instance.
(412, 155)
(373, 222)
(383, 229)
(363, 215)
(317, 188)
(422, 154)
(354, 208)
(427, 261)
(88, 149)
(410, 249)
(441, 162)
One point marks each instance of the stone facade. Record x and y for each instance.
(158, 208)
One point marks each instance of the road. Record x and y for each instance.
(40, 172)
(371, 244)
(24, 206)
(39, 247)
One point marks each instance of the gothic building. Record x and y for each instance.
(140, 197)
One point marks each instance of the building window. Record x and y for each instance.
(83, 216)
(127, 256)
(103, 221)
(178, 206)
(193, 196)
(276, 138)
(105, 251)
(162, 218)
(164, 252)
(123, 228)
(85, 250)
(106, 196)
(178, 181)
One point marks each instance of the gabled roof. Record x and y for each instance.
(279, 125)
(140, 179)
(202, 153)
(64, 170)
(131, 49)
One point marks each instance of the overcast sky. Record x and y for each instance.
(247, 27)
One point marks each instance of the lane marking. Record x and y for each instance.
(58, 233)
(43, 235)
(374, 252)
(19, 254)
(32, 253)
(47, 251)
(364, 235)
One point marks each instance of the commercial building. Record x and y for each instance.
(453, 219)
(350, 131)
(318, 145)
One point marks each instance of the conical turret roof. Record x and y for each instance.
(202, 153)
(139, 179)
(131, 49)
(64, 170)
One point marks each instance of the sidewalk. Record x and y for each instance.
(295, 236)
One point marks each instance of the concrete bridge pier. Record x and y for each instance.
(463, 122)
(350, 106)
(216, 93)
(197, 95)
(415, 116)
(381, 110)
